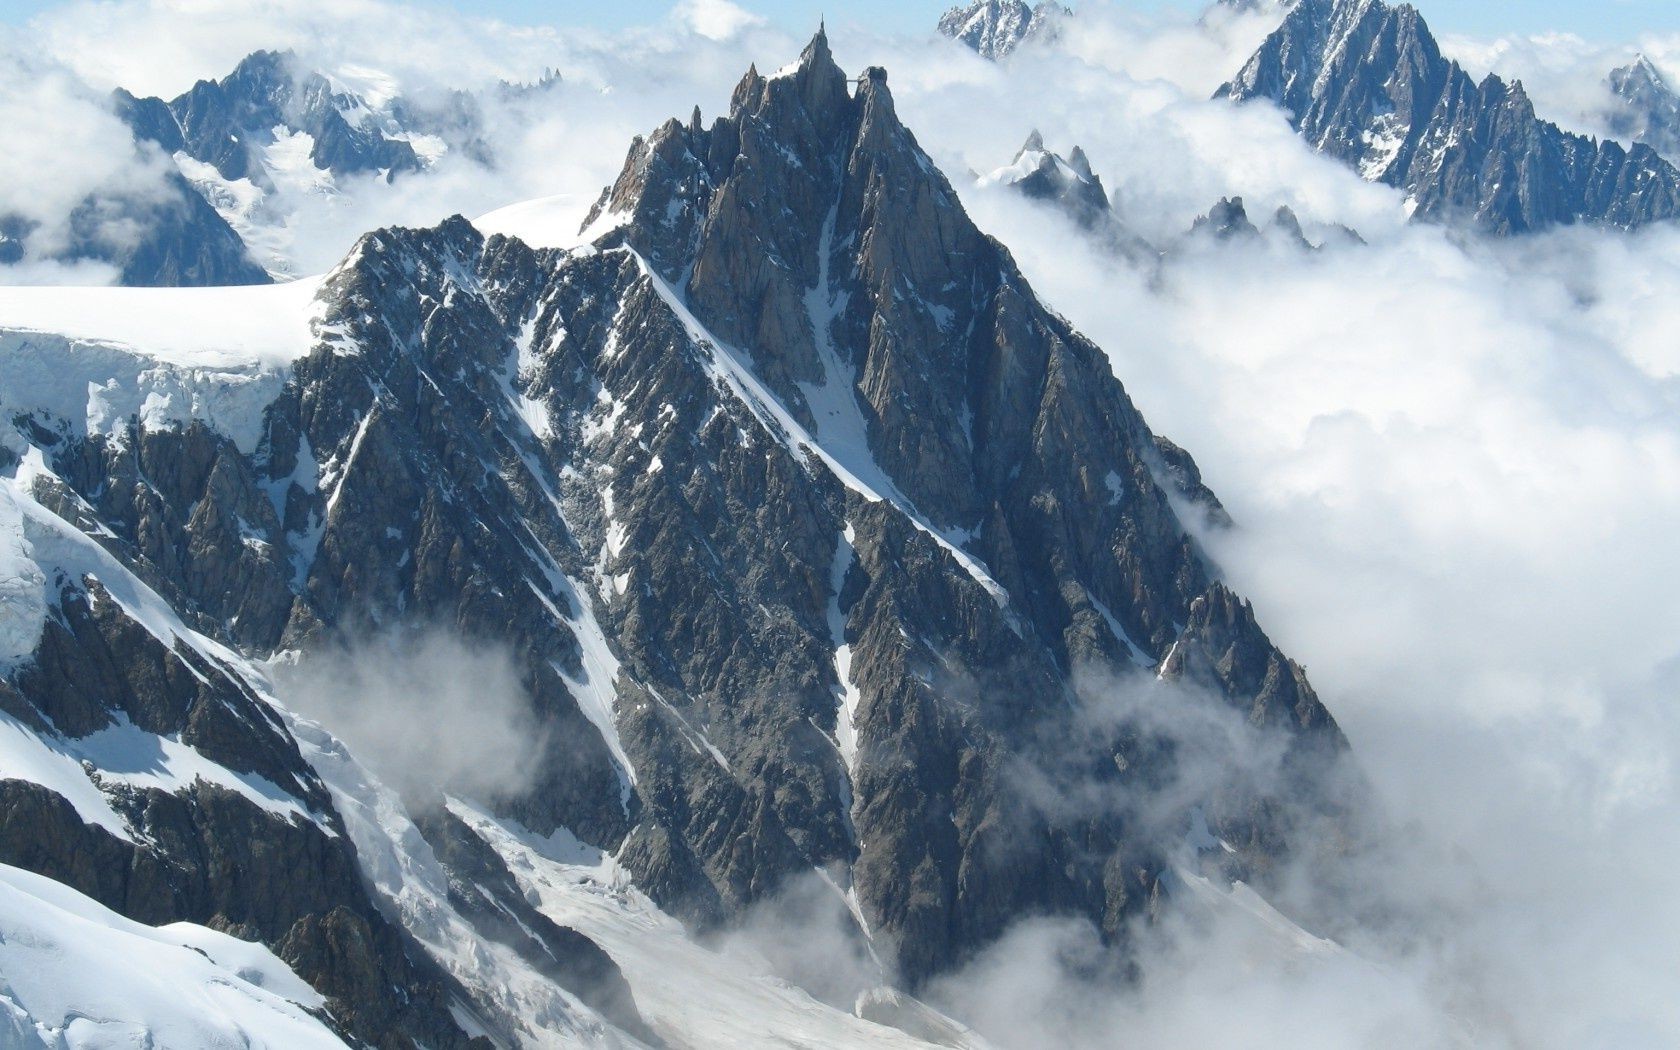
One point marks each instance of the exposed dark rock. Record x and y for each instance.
(225, 123)
(802, 516)
(1367, 83)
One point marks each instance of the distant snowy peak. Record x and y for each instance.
(1038, 173)
(1367, 83)
(233, 124)
(273, 133)
(1072, 187)
(996, 28)
(1228, 221)
(1648, 108)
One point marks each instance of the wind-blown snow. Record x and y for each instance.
(507, 993)
(74, 974)
(692, 996)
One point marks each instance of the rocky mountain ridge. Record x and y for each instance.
(815, 539)
(1070, 186)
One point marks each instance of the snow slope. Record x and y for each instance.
(77, 976)
(191, 327)
(546, 222)
(93, 358)
(691, 995)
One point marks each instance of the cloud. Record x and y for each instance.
(427, 711)
(1455, 467)
(715, 19)
(66, 150)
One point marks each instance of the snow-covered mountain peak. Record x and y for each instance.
(996, 28)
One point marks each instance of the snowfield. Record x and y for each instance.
(76, 976)
(225, 327)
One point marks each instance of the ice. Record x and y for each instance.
(23, 601)
(74, 974)
(691, 995)
(845, 722)
(232, 327)
(507, 992)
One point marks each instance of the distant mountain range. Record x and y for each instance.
(1366, 83)
(244, 148)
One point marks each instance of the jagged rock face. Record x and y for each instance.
(1650, 109)
(1228, 220)
(225, 123)
(183, 241)
(802, 515)
(996, 28)
(990, 500)
(1367, 83)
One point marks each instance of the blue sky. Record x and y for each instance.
(1601, 20)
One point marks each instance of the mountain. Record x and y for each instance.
(272, 135)
(1067, 182)
(163, 236)
(1069, 185)
(235, 124)
(1367, 83)
(822, 553)
(1649, 110)
(996, 28)
(1228, 220)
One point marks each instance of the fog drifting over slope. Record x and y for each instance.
(1455, 469)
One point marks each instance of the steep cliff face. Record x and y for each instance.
(1367, 83)
(989, 466)
(820, 544)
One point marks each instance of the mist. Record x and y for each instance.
(428, 712)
